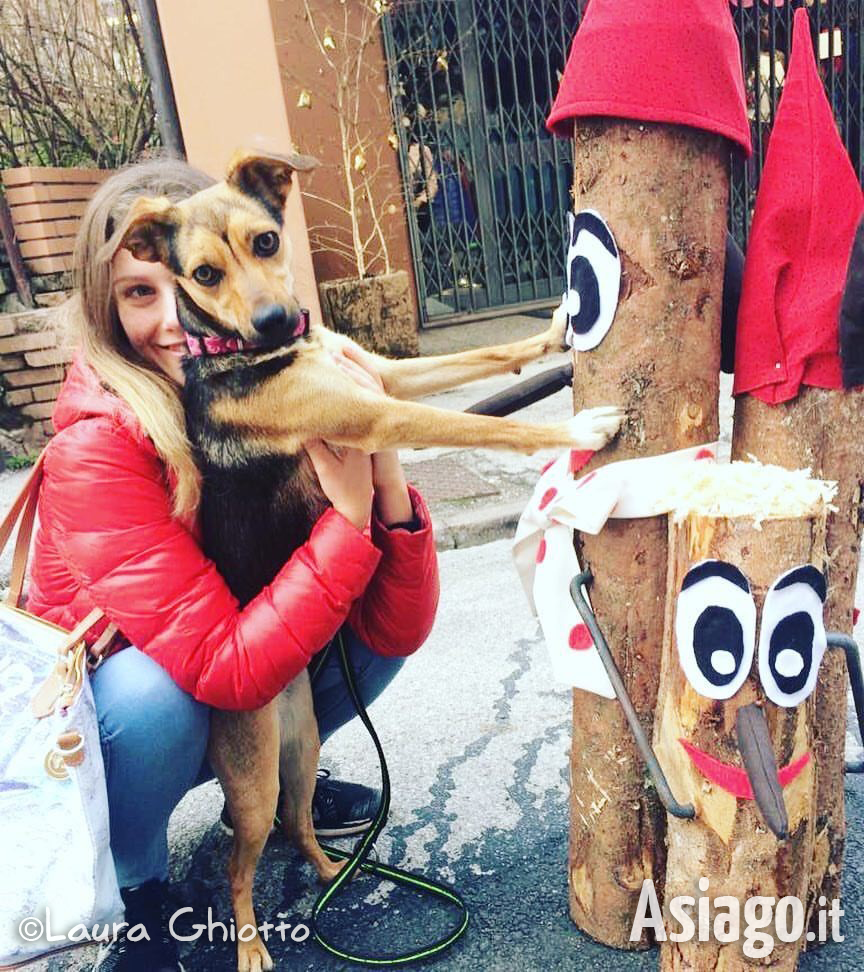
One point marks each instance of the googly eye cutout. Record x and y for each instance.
(792, 638)
(593, 280)
(715, 628)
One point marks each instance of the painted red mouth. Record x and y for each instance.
(734, 780)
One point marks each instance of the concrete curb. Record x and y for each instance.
(479, 526)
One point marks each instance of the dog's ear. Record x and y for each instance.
(147, 232)
(267, 177)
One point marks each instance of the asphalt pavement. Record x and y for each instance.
(477, 736)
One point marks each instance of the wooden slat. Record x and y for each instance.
(33, 212)
(53, 247)
(29, 174)
(52, 264)
(50, 228)
(63, 192)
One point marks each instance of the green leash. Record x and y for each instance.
(357, 860)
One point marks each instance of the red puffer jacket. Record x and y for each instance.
(107, 538)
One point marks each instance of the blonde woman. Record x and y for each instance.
(118, 531)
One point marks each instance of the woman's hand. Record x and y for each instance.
(346, 481)
(392, 502)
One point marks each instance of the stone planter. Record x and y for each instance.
(377, 312)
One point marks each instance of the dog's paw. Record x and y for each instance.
(592, 428)
(558, 328)
(252, 956)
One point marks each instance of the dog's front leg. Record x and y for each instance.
(244, 753)
(312, 399)
(298, 767)
(409, 378)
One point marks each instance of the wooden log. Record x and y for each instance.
(728, 842)
(53, 264)
(663, 192)
(55, 246)
(821, 430)
(24, 175)
(54, 193)
(49, 212)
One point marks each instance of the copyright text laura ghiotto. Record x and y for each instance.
(765, 921)
(38, 928)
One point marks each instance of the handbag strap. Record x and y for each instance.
(23, 512)
(23, 508)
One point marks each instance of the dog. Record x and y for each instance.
(261, 382)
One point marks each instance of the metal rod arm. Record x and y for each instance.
(847, 643)
(683, 810)
(525, 392)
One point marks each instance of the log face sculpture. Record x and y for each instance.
(663, 192)
(791, 353)
(820, 430)
(701, 730)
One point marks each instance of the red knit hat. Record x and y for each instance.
(658, 61)
(807, 210)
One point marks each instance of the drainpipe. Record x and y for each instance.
(160, 76)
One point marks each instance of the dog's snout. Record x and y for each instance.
(270, 319)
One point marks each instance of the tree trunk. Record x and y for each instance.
(821, 430)
(728, 842)
(663, 191)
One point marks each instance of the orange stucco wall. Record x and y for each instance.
(316, 128)
(222, 58)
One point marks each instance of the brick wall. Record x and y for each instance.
(32, 367)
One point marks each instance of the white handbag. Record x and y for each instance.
(57, 877)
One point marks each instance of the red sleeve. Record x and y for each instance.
(107, 507)
(395, 614)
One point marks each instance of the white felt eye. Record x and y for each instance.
(792, 638)
(593, 280)
(715, 628)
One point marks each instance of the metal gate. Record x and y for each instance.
(471, 83)
(765, 34)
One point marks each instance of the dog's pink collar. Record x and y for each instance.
(214, 345)
(219, 345)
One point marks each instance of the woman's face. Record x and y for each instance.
(147, 308)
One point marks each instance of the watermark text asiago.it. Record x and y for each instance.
(761, 922)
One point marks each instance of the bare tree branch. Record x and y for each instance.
(75, 90)
(361, 166)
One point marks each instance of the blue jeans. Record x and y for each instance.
(154, 743)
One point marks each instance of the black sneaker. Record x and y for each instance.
(338, 809)
(157, 952)
(342, 809)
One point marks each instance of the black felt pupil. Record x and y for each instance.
(583, 280)
(717, 629)
(794, 633)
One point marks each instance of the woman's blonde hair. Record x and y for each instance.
(97, 331)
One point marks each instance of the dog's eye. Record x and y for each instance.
(206, 275)
(792, 640)
(265, 244)
(715, 628)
